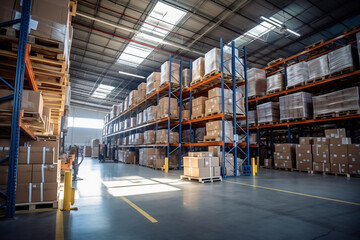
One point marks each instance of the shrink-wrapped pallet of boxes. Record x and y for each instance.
(113, 111)
(297, 74)
(256, 82)
(200, 134)
(144, 115)
(201, 165)
(165, 74)
(95, 148)
(138, 138)
(252, 119)
(153, 82)
(214, 104)
(119, 109)
(341, 59)
(133, 122)
(214, 131)
(318, 67)
(126, 103)
(186, 78)
(268, 113)
(163, 108)
(296, 106)
(275, 83)
(139, 118)
(162, 136)
(151, 113)
(141, 92)
(304, 156)
(198, 107)
(198, 69)
(132, 98)
(150, 137)
(338, 103)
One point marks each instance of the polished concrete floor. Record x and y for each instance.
(117, 201)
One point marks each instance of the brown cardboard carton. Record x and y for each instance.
(202, 172)
(37, 192)
(24, 173)
(217, 171)
(200, 154)
(200, 101)
(163, 108)
(187, 171)
(321, 167)
(49, 144)
(22, 193)
(211, 161)
(304, 161)
(197, 111)
(216, 92)
(289, 164)
(32, 101)
(45, 173)
(306, 140)
(129, 157)
(338, 153)
(321, 140)
(339, 168)
(354, 169)
(24, 155)
(4, 175)
(303, 148)
(353, 154)
(321, 157)
(50, 191)
(185, 115)
(285, 147)
(87, 151)
(150, 137)
(341, 140)
(42, 155)
(198, 162)
(335, 133)
(268, 162)
(215, 150)
(279, 163)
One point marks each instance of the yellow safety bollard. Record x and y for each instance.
(166, 166)
(253, 166)
(69, 193)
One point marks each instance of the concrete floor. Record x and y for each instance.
(190, 210)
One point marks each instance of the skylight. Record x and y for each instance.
(102, 91)
(163, 16)
(254, 34)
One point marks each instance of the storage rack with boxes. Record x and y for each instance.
(310, 97)
(34, 109)
(149, 122)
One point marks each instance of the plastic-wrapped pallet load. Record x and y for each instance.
(344, 100)
(268, 112)
(213, 63)
(151, 113)
(358, 43)
(175, 74)
(144, 116)
(198, 69)
(163, 108)
(153, 82)
(214, 131)
(119, 109)
(297, 73)
(139, 118)
(162, 136)
(275, 83)
(296, 106)
(199, 134)
(318, 67)
(186, 78)
(256, 82)
(150, 137)
(340, 59)
(141, 94)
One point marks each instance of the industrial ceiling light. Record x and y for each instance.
(280, 25)
(130, 74)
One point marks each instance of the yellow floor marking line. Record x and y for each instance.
(145, 214)
(295, 193)
(59, 223)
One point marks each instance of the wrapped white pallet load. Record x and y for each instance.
(268, 112)
(340, 59)
(165, 74)
(186, 78)
(297, 73)
(318, 67)
(358, 43)
(256, 82)
(275, 83)
(296, 106)
(198, 69)
(153, 82)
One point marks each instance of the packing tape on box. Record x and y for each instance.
(44, 154)
(30, 191)
(28, 156)
(42, 173)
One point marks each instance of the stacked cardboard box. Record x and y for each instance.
(139, 118)
(145, 120)
(256, 82)
(198, 107)
(353, 151)
(318, 67)
(133, 122)
(185, 115)
(113, 111)
(185, 136)
(150, 137)
(284, 155)
(136, 139)
(165, 74)
(163, 108)
(296, 106)
(141, 92)
(201, 165)
(186, 78)
(132, 98)
(151, 113)
(214, 131)
(126, 156)
(340, 59)
(275, 83)
(87, 151)
(268, 162)
(304, 158)
(198, 69)
(343, 100)
(321, 154)
(213, 62)
(95, 148)
(162, 136)
(126, 103)
(214, 104)
(153, 82)
(297, 73)
(268, 112)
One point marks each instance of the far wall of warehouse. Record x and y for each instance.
(83, 126)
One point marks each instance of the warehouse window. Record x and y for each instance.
(85, 123)
(163, 16)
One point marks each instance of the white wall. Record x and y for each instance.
(83, 136)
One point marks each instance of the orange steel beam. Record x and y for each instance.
(217, 143)
(206, 118)
(29, 70)
(306, 86)
(310, 121)
(316, 47)
(24, 128)
(202, 83)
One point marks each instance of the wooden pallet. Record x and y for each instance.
(343, 71)
(212, 139)
(254, 96)
(267, 123)
(274, 91)
(347, 113)
(275, 61)
(266, 167)
(293, 120)
(185, 119)
(195, 81)
(202, 180)
(198, 116)
(314, 44)
(36, 205)
(324, 115)
(284, 169)
(301, 170)
(316, 79)
(296, 85)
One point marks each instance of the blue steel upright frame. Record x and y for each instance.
(17, 98)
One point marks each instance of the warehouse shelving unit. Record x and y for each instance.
(16, 123)
(217, 80)
(266, 131)
(167, 90)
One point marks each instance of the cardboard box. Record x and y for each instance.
(129, 157)
(304, 161)
(163, 108)
(339, 168)
(268, 162)
(212, 162)
(353, 154)
(150, 137)
(202, 172)
(22, 193)
(87, 151)
(185, 115)
(215, 150)
(279, 163)
(303, 148)
(354, 169)
(216, 92)
(42, 155)
(24, 173)
(285, 147)
(50, 191)
(321, 167)
(44, 173)
(306, 140)
(48, 144)
(321, 140)
(198, 162)
(32, 101)
(217, 171)
(340, 140)
(4, 175)
(201, 154)
(199, 101)
(335, 133)
(24, 155)
(187, 171)
(338, 153)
